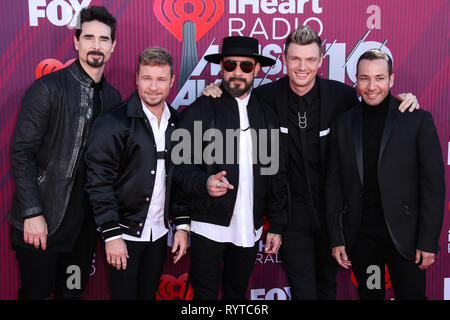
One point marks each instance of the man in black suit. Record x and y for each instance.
(229, 195)
(385, 187)
(305, 105)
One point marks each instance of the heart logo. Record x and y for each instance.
(171, 288)
(50, 65)
(174, 13)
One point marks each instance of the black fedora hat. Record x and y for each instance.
(240, 47)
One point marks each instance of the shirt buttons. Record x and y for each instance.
(152, 172)
(138, 232)
(147, 199)
(140, 224)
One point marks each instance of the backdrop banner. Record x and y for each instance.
(37, 38)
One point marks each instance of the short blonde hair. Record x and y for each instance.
(303, 35)
(155, 56)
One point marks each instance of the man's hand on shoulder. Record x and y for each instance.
(212, 90)
(408, 102)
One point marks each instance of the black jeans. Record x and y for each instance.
(206, 270)
(67, 273)
(140, 280)
(373, 250)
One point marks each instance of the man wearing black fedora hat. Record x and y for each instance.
(229, 199)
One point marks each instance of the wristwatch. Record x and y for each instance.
(185, 227)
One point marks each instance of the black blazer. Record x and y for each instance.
(269, 198)
(121, 166)
(410, 176)
(335, 98)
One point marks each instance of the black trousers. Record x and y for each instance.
(214, 262)
(376, 249)
(310, 268)
(306, 256)
(141, 278)
(65, 274)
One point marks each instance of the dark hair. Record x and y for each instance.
(155, 57)
(375, 54)
(95, 13)
(303, 35)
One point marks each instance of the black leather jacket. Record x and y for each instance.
(52, 128)
(121, 167)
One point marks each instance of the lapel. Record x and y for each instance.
(356, 122)
(326, 112)
(171, 126)
(231, 106)
(134, 110)
(282, 106)
(255, 113)
(282, 101)
(391, 117)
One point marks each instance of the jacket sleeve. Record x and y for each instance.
(180, 206)
(188, 175)
(333, 193)
(432, 186)
(278, 193)
(105, 147)
(30, 130)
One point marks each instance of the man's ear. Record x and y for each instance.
(257, 68)
(391, 80)
(320, 60)
(75, 42)
(113, 45)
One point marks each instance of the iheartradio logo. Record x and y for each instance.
(174, 13)
(171, 288)
(50, 65)
(188, 21)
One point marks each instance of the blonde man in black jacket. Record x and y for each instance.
(129, 181)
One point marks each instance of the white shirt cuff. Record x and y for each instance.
(113, 238)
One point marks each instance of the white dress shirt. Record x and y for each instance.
(241, 231)
(154, 227)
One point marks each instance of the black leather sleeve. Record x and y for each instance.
(31, 127)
